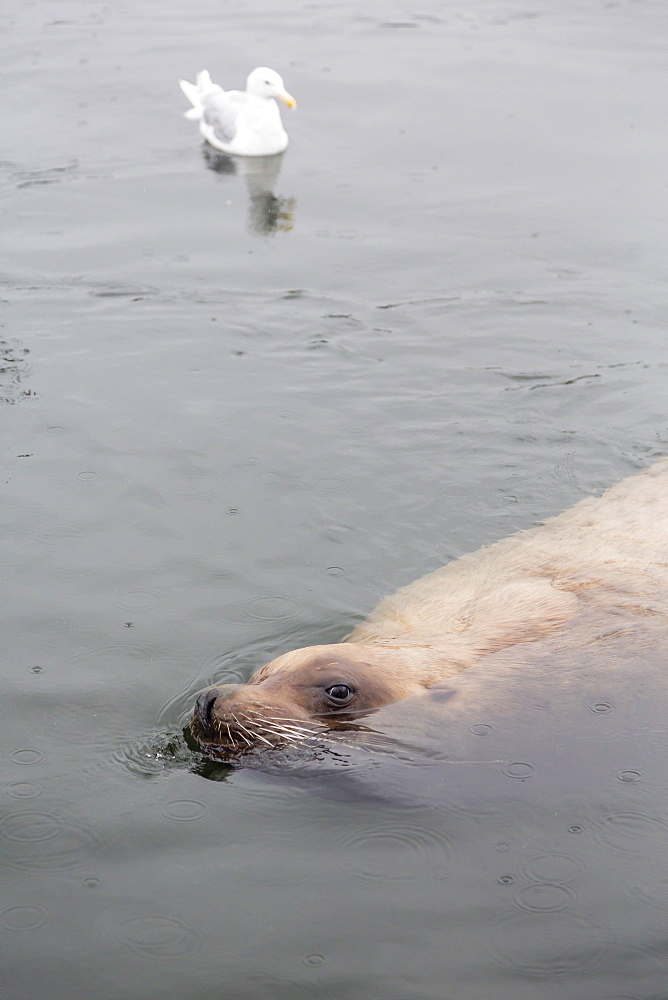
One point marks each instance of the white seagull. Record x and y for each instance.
(246, 122)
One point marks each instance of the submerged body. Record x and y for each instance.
(598, 569)
(246, 123)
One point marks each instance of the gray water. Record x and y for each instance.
(241, 404)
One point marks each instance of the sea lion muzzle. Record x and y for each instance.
(204, 706)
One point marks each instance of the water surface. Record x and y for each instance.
(241, 404)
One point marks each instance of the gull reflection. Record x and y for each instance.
(267, 213)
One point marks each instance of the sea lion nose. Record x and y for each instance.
(206, 701)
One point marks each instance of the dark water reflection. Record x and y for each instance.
(268, 213)
(14, 367)
(219, 446)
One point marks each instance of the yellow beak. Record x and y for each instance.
(287, 99)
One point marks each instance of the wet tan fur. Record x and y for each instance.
(601, 565)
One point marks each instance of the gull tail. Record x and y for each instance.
(195, 92)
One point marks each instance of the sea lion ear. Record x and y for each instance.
(440, 693)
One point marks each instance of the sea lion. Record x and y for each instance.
(597, 569)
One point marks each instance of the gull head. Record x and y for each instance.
(267, 83)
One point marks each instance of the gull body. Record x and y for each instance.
(243, 122)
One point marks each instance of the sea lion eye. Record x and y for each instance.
(340, 693)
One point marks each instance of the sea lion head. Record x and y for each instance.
(305, 692)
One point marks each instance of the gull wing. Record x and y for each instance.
(220, 112)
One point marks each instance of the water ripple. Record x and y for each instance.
(37, 841)
(122, 649)
(557, 869)
(23, 789)
(652, 886)
(138, 600)
(330, 485)
(633, 832)
(26, 756)
(225, 668)
(23, 918)
(197, 485)
(58, 534)
(273, 609)
(544, 898)
(518, 769)
(93, 718)
(398, 851)
(269, 987)
(159, 937)
(184, 810)
(155, 755)
(555, 944)
(313, 960)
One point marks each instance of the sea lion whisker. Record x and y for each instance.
(260, 737)
(257, 725)
(251, 720)
(255, 722)
(284, 718)
(305, 727)
(301, 727)
(290, 734)
(294, 734)
(217, 726)
(242, 729)
(280, 731)
(261, 723)
(254, 732)
(297, 729)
